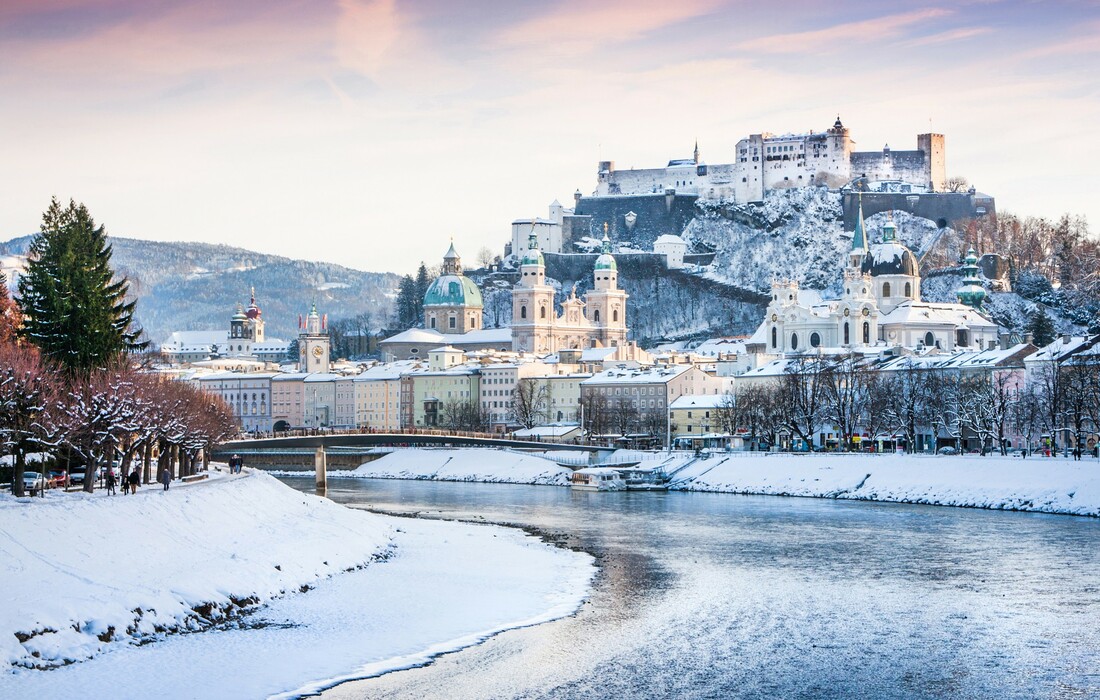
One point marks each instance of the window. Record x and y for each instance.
(542, 312)
(615, 315)
(451, 322)
(908, 290)
(885, 289)
(774, 343)
(929, 339)
(815, 341)
(523, 312)
(596, 315)
(866, 333)
(794, 341)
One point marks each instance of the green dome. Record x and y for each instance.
(533, 256)
(453, 290)
(606, 262)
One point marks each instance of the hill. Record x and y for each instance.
(196, 286)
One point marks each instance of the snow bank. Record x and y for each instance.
(470, 464)
(82, 571)
(1035, 484)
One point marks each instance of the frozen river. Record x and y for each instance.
(717, 596)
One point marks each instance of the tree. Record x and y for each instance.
(845, 383)
(25, 395)
(408, 303)
(75, 311)
(485, 256)
(956, 183)
(531, 402)
(423, 281)
(1040, 327)
(10, 317)
(801, 397)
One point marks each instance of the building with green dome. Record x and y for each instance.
(452, 304)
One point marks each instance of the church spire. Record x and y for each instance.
(695, 153)
(859, 237)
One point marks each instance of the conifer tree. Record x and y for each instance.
(74, 309)
(407, 302)
(1040, 327)
(423, 281)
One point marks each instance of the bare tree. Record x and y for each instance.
(845, 384)
(532, 402)
(801, 396)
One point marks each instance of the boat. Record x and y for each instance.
(598, 479)
(645, 479)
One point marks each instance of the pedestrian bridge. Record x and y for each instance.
(394, 439)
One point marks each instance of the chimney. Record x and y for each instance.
(1029, 338)
(1066, 337)
(1005, 340)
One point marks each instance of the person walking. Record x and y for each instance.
(165, 477)
(110, 481)
(133, 480)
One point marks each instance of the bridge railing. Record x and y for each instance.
(319, 432)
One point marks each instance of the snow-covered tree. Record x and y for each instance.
(10, 317)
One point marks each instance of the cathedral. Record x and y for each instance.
(597, 321)
(880, 304)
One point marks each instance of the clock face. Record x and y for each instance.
(866, 312)
(317, 351)
(775, 317)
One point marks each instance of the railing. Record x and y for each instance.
(320, 432)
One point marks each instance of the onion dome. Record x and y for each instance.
(253, 311)
(240, 314)
(972, 293)
(533, 256)
(606, 261)
(890, 257)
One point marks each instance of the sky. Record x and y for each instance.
(372, 132)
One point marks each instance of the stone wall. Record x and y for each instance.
(944, 208)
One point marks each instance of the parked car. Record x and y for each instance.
(76, 477)
(58, 478)
(33, 482)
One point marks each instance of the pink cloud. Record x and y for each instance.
(613, 21)
(869, 30)
(948, 36)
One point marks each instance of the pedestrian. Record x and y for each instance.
(110, 482)
(133, 480)
(165, 477)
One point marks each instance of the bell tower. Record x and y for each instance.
(533, 312)
(605, 304)
(314, 344)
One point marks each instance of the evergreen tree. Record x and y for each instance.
(423, 281)
(408, 303)
(1040, 327)
(74, 309)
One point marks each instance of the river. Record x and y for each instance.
(720, 596)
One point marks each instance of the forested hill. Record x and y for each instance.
(196, 286)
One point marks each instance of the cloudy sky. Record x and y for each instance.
(369, 132)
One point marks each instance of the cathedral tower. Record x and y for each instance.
(605, 304)
(452, 303)
(533, 311)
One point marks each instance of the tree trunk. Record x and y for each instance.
(17, 473)
(147, 460)
(89, 471)
(173, 461)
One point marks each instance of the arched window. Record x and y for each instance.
(929, 339)
(596, 315)
(523, 312)
(847, 336)
(885, 289)
(615, 315)
(909, 290)
(794, 341)
(774, 341)
(542, 312)
(815, 340)
(866, 333)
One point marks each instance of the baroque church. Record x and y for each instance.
(453, 313)
(880, 304)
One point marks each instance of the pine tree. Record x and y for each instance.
(423, 281)
(1040, 327)
(74, 309)
(407, 302)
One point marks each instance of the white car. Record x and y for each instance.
(33, 482)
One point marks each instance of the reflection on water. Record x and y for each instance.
(717, 595)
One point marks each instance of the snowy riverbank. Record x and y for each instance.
(88, 578)
(1048, 485)
(1036, 484)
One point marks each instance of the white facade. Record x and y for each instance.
(673, 248)
(247, 395)
(547, 231)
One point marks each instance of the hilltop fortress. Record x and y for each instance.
(765, 162)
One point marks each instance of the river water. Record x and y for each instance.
(726, 596)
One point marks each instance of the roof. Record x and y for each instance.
(660, 374)
(669, 238)
(481, 335)
(546, 431)
(606, 261)
(920, 312)
(700, 401)
(389, 371)
(416, 335)
(891, 258)
(452, 290)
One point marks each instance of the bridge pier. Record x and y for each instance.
(320, 465)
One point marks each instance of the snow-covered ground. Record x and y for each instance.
(1050, 485)
(1047, 485)
(86, 578)
(464, 465)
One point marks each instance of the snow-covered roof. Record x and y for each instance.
(659, 374)
(669, 238)
(924, 313)
(322, 377)
(1064, 347)
(416, 335)
(482, 335)
(596, 354)
(389, 370)
(699, 401)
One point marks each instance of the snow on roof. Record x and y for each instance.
(1062, 347)
(446, 348)
(669, 238)
(699, 401)
(659, 374)
(390, 371)
(919, 312)
(482, 335)
(322, 377)
(415, 335)
(596, 354)
(714, 346)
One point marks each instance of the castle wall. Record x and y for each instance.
(945, 208)
(684, 178)
(657, 214)
(907, 166)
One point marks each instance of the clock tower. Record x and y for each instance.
(313, 343)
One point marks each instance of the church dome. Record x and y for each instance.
(890, 258)
(606, 262)
(253, 311)
(240, 314)
(453, 290)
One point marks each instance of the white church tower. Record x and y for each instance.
(533, 311)
(605, 304)
(314, 344)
